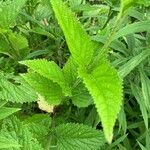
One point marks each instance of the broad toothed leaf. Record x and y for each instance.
(78, 137)
(16, 92)
(39, 124)
(13, 128)
(49, 70)
(51, 92)
(106, 89)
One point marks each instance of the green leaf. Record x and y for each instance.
(19, 92)
(141, 146)
(14, 45)
(9, 11)
(126, 4)
(133, 28)
(147, 139)
(4, 47)
(145, 81)
(122, 120)
(6, 111)
(70, 71)
(2, 103)
(125, 69)
(92, 118)
(39, 124)
(13, 128)
(7, 142)
(146, 3)
(80, 44)
(117, 141)
(41, 31)
(80, 96)
(51, 91)
(19, 43)
(137, 92)
(49, 70)
(78, 137)
(105, 87)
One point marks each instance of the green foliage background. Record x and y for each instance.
(70, 64)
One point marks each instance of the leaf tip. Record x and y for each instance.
(109, 138)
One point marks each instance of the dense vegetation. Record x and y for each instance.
(74, 74)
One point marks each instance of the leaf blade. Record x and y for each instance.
(50, 91)
(49, 70)
(105, 86)
(80, 44)
(78, 137)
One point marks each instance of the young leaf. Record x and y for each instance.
(51, 91)
(105, 87)
(78, 137)
(49, 70)
(79, 43)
